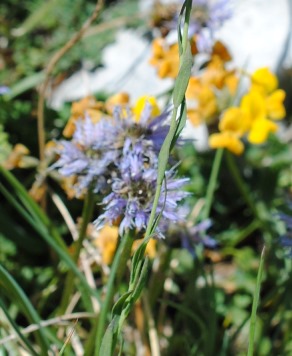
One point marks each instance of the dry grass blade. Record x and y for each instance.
(55, 321)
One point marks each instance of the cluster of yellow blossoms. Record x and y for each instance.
(214, 91)
(98, 109)
(165, 57)
(255, 115)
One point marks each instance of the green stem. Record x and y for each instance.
(255, 306)
(119, 263)
(212, 183)
(240, 183)
(156, 283)
(86, 217)
(168, 142)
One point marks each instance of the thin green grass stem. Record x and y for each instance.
(212, 183)
(240, 183)
(86, 217)
(255, 304)
(122, 255)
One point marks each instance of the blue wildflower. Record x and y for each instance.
(95, 150)
(88, 155)
(133, 191)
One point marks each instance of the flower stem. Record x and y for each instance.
(212, 183)
(86, 216)
(240, 183)
(122, 254)
(255, 304)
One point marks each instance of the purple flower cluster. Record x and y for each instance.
(207, 16)
(118, 157)
(133, 193)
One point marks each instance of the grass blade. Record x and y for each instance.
(255, 304)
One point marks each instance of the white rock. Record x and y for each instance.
(126, 68)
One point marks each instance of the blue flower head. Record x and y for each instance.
(94, 153)
(133, 191)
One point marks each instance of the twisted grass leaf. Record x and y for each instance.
(139, 270)
(13, 291)
(109, 339)
(184, 74)
(133, 297)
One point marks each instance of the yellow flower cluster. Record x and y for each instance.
(255, 115)
(97, 109)
(165, 57)
(210, 92)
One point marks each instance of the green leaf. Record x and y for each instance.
(255, 304)
(41, 223)
(25, 84)
(109, 338)
(17, 330)
(182, 80)
(118, 307)
(13, 291)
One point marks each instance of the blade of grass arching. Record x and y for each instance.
(63, 254)
(31, 205)
(10, 287)
(17, 330)
(255, 304)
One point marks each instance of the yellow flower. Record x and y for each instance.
(234, 120)
(165, 58)
(204, 99)
(215, 73)
(264, 80)
(16, 158)
(220, 50)
(140, 105)
(122, 99)
(226, 139)
(275, 106)
(253, 104)
(150, 249)
(107, 242)
(259, 108)
(260, 130)
(78, 109)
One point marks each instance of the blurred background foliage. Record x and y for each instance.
(207, 300)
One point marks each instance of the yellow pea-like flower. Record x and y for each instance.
(264, 80)
(254, 105)
(140, 106)
(235, 120)
(228, 140)
(260, 131)
(275, 105)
